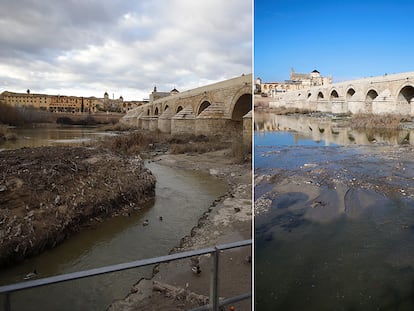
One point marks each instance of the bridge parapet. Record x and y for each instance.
(383, 94)
(206, 110)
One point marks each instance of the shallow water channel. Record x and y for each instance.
(54, 135)
(334, 225)
(181, 199)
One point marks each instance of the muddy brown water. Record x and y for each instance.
(338, 230)
(54, 135)
(181, 199)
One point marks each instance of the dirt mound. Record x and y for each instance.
(48, 193)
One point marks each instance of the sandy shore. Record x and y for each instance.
(229, 219)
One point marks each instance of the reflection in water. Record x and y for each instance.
(329, 130)
(181, 199)
(327, 237)
(53, 136)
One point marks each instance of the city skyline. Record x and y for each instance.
(121, 47)
(345, 40)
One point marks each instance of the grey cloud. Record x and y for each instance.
(126, 44)
(32, 26)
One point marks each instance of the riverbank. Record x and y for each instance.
(48, 193)
(327, 219)
(5, 133)
(228, 219)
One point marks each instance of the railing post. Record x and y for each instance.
(7, 302)
(214, 298)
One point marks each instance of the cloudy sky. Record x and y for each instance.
(345, 39)
(87, 47)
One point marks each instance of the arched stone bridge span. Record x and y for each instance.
(219, 108)
(378, 95)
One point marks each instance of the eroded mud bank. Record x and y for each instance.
(48, 193)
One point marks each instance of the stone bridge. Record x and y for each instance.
(378, 95)
(221, 108)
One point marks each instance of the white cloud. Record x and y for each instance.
(123, 46)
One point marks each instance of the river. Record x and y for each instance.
(334, 225)
(181, 199)
(47, 135)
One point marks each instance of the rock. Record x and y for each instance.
(57, 200)
(213, 172)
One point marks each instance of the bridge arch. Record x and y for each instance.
(242, 106)
(148, 111)
(301, 96)
(166, 107)
(241, 103)
(350, 92)
(406, 94)
(371, 95)
(202, 106)
(179, 108)
(334, 94)
(320, 96)
(156, 111)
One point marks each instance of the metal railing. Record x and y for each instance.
(214, 302)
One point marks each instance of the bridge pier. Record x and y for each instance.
(153, 123)
(393, 94)
(208, 110)
(323, 106)
(164, 121)
(214, 127)
(357, 107)
(247, 128)
(339, 107)
(145, 122)
(183, 122)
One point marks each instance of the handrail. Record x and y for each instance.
(7, 289)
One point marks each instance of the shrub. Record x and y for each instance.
(374, 121)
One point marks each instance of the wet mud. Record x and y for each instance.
(334, 227)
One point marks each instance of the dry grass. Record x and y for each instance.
(240, 152)
(288, 111)
(186, 143)
(198, 147)
(140, 142)
(135, 142)
(371, 121)
(118, 127)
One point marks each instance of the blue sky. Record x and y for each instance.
(343, 39)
